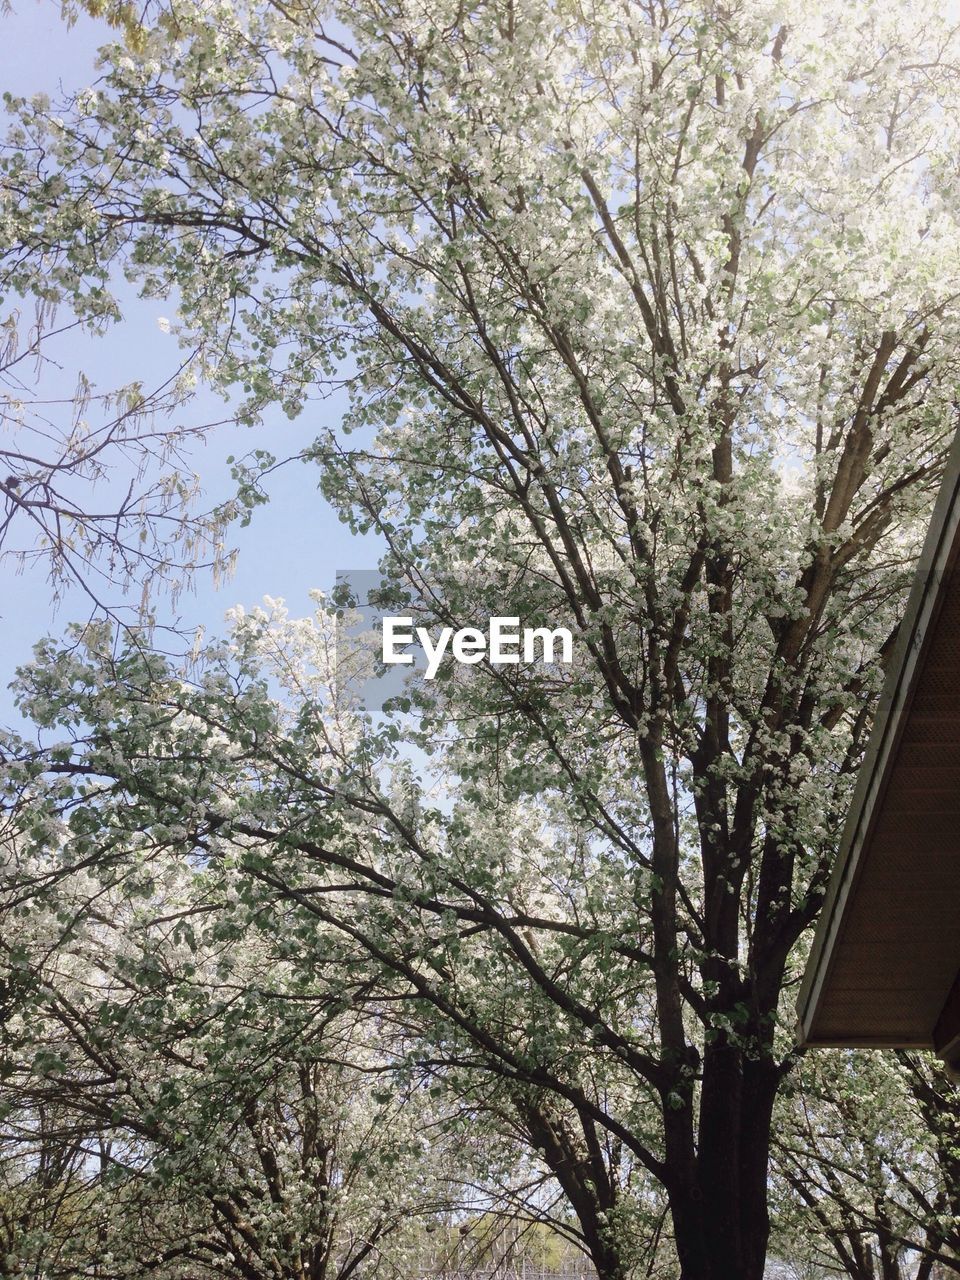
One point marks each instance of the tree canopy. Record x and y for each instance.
(96, 484)
(649, 319)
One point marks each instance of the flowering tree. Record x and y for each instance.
(176, 1102)
(865, 1163)
(650, 315)
(264, 822)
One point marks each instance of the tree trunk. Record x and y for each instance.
(721, 1225)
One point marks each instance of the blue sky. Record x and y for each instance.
(293, 544)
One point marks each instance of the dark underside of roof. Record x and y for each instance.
(885, 961)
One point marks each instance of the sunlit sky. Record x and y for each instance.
(293, 544)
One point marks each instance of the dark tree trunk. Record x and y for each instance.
(722, 1224)
(587, 1183)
